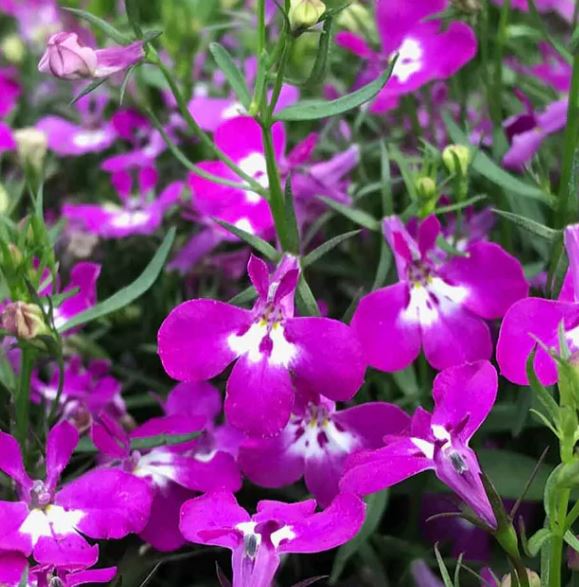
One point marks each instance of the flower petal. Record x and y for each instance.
(60, 444)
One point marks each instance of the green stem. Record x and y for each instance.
(521, 572)
(196, 129)
(261, 31)
(22, 401)
(279, 77)
(558, 528)
(570, 145)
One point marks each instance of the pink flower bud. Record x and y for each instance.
(23, 320)
(66, 58)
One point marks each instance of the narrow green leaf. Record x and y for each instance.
(128, 294)
(320, 68)
(293, 231)
(257, 243)
(383, 265)
(376, 505)
(356, 216)
(531, 226)
(134, 16)
(328, 246)
(162, 440)
(103, 26)
(306, 299)
(319, 109)
(443, 570)
(571, 540)
(460, 205)
(542, 395)
(88, 89)
(242, 298)
(235, 78)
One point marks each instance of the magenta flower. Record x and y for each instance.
(87, 392)
(258, 541)
(440, 304)
(50, 523)
(173, 474)
(536, 320)
(92, 135)
(315, 444)
(426, 51)
(463, 398)
(66, 58)
(275, 352)
(140, 212)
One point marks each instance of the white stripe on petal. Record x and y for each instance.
(50, 521)
(425, 447)
(284, 533)
(409, 60)
(157, 466)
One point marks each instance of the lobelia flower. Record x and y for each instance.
(275, 352)
(92, 135)
(440, 304)
(172, 474)
(9, 94)
(258, 541)
(86, 392)
(50, 523)
(140, 214)
(536, 320)
(463, 398)
(66, 58)
(315, 444)
(425, 51)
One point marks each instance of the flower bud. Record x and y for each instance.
(304, 14)
(66, 58)
(456, 157)
(467, 6)
(13, 49)
(426, 188)
(23, 320)
(4, 199)
(356, 18)
(534, 580)
(31, 145)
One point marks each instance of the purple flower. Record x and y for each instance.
(66, 58)
(315, 444)
(440, 304)
(141, 212)
(463, 397)
(172, 474)
(536, 319)
(258, 541)
(92, 135)
(425, 51)
(275, 353)
(51, 523)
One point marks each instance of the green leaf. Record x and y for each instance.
(376, 505)
(134, 16)
(543, 396)
(235, 78)
(320, 68)
(484, 165)
(571, 540)
(88, 89)
(242, 298)
(128, 294)
(86, 445)
(356, 216)
(443, 570)
(257, 243)
(103, 26)
(291, 221)
(319, 109)
(531, 226)
(306, 299)
(537, 541)
(460, 205)
(328, 246)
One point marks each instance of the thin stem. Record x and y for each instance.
(261, 31)
(280, 76)
(570, 145)
(22, 402)
(196, 129)
(558, 528)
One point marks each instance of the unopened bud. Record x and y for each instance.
(467, 6)
(356, 18)
(13, 49)
(15, 253)
(23, 320)
(426, 188)
(31, 145)
(4, 199)
(455, 158)
(534, 580)
(304, 14)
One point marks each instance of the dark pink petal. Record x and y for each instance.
(338, 524)
(355, 44)
(211, 519)
(105, 575)
(389, 342)
(271, 462)
(468, 390)
(221, 473)
(397, 18)
(322, 476)
(372, 421)
(60, 445)
(260, 397)
(175, 424)
(12, 516)
(494, 279)
(7, 141)
(456, 336)
(193, 338)
(373, 471)
(120, 506)
(195, 398)
(162, 530)
(70, 551)
(259, 275)
(110, 437)
(12, 567)
(329, 360)
(428, 232)
(572, 248)
(11, 462)
(282, 512)
(525, 322)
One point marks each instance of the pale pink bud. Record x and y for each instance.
(23, 320)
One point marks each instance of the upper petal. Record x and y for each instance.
(11, 462)
(60, 444)
(193, 338)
